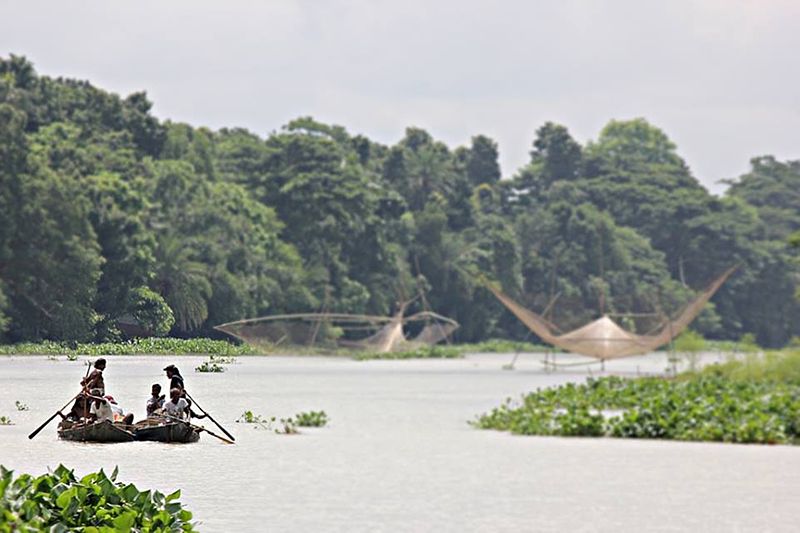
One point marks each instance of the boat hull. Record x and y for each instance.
(105, 431)
(179, 432)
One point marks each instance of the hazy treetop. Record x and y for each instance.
(719, 75)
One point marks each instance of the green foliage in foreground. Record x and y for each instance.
(311, 419)
(96, 503)
(5, 421)
(704, 407)
(148, 346)
(424, 352)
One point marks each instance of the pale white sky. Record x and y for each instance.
(721, 77)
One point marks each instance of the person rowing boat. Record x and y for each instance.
(176, 382)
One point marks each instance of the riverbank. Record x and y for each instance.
(147, 346)
(200, 346)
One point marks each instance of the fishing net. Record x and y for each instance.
(331, 331)
(605, 339)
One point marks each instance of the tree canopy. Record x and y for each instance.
(111, 217)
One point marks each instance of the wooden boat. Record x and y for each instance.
(162, 430)
(105, 431)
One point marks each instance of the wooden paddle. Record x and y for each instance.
(199, 428)
(209, 416)
(37, 430)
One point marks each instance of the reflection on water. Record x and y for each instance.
(398, 454)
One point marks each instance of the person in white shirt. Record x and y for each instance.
(177, 406)
(100, 410)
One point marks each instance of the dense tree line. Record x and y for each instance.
(108, 214)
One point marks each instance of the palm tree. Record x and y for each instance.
(182, 282)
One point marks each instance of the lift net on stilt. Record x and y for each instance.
(335, 331)
(604, 338)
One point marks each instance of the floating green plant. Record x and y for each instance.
(21, 406)
(423, 352)
(698, 407)
(210, 367)
(60, 502)
(311, 419)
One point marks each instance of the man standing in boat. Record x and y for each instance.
(176, 382)
(93, 382)
(175, 379)
(95, 379)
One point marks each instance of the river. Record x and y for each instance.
(398, 454)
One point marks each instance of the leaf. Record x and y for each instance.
(174, 496)
(65, 497)
(125, 521)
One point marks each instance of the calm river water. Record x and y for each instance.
(398, 454)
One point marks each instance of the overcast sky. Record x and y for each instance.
(721, 77)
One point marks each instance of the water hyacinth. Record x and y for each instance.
(311, 419)
(207, 366)
(144, 346)
(424, 352)
(706, 407)
(96, 503)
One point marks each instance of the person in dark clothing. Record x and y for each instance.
(175, 378)
(176, 382)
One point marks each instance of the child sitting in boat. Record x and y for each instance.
(155, 402)
(119, 413)
(177, 406)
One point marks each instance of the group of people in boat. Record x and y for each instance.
(94, 405)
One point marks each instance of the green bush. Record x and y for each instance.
(96, 503)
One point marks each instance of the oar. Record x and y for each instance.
(37, 430)
(209, 416)
(199, 428)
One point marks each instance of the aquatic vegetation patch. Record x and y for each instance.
(284, 426)
(502, 346)
(702, 407)
(146, 346)
(222, 359)
(207, 366)
(59, 502)
(424, 352)
(5, 421)
(249, 417)
(311, 419)
(21, 406)
(774, 366)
